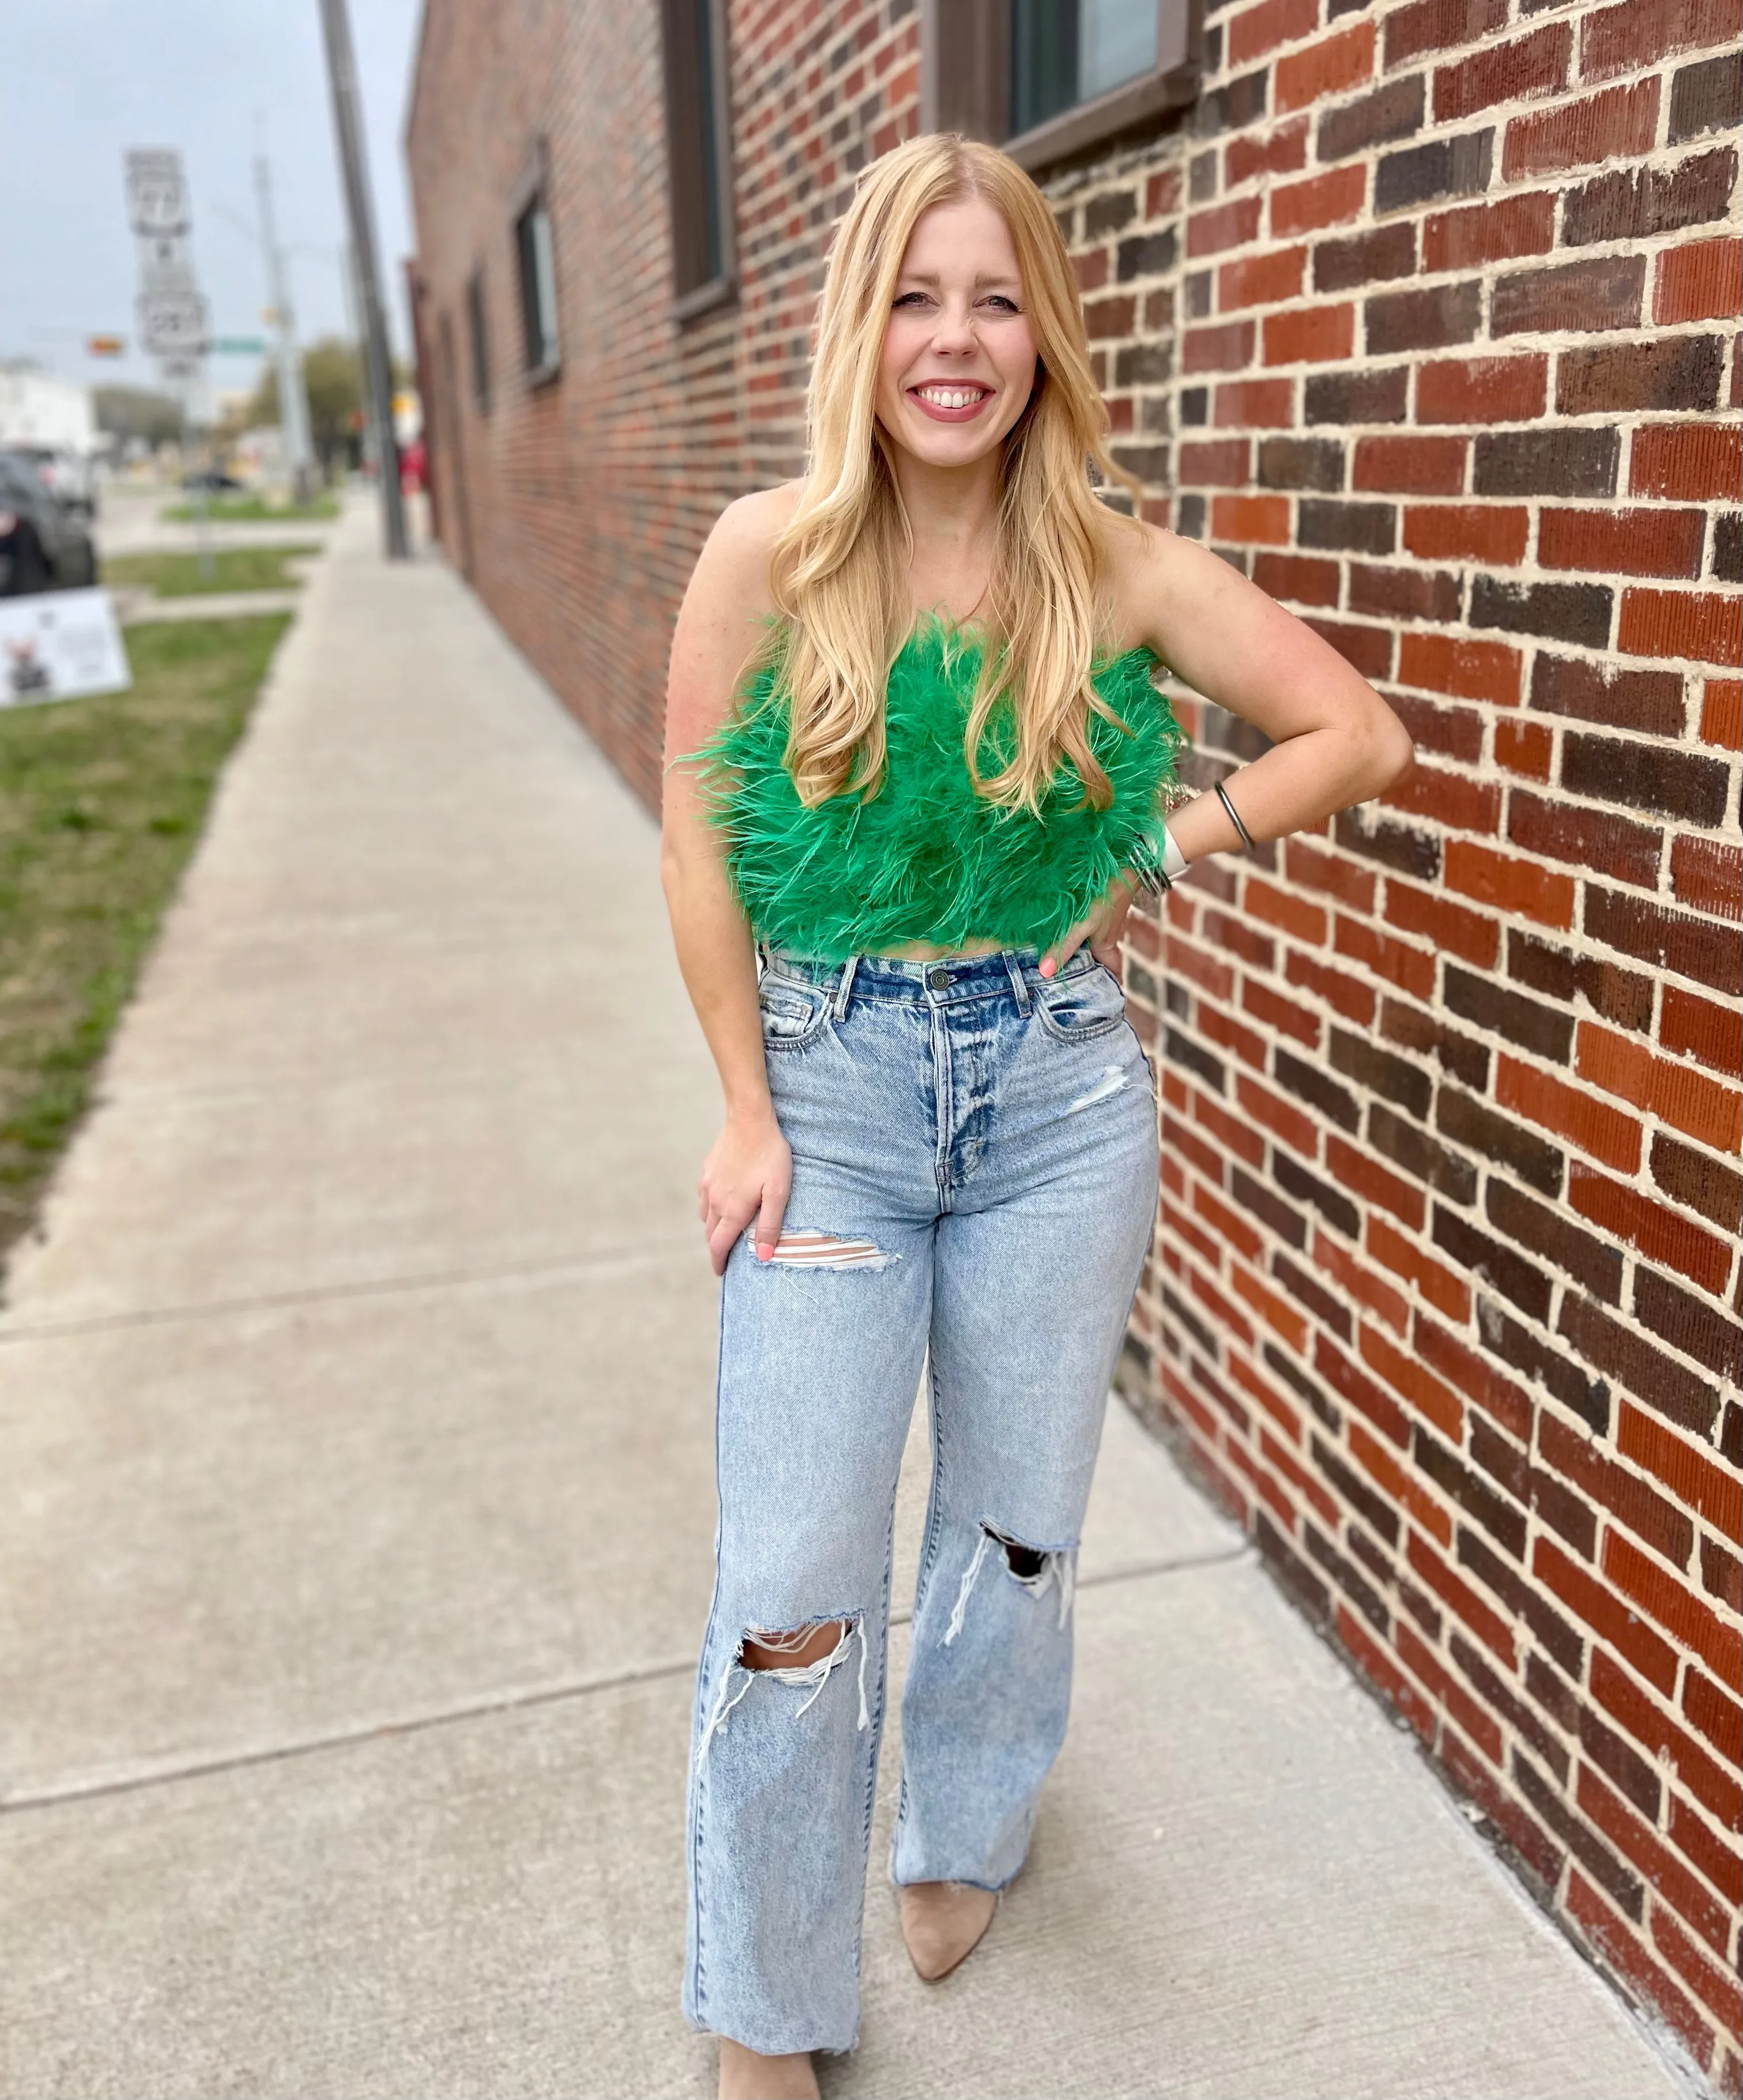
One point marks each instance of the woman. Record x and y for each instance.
(915, 756)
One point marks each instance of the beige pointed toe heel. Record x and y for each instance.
(943, 1922)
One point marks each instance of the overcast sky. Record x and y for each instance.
(82, 80)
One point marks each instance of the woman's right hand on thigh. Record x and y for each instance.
(748, 1175)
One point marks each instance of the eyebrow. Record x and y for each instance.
(932, 277)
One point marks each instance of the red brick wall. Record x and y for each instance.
(1426, 318)
(587, 499)
(1428, 322)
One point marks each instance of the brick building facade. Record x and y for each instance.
(1424, 313)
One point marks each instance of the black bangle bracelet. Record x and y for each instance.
(1234, 817)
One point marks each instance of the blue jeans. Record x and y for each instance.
(974, 1184)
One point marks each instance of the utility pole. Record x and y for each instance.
(347, 124)
(293, 402)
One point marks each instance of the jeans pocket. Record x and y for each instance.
(793, 1014)
(1078, 1008)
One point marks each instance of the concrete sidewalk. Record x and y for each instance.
(356, 1459)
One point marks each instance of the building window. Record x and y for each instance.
(699, 152)
(538, 287)
(1049, 79)
(479, 332)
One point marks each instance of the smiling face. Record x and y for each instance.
(958, 361)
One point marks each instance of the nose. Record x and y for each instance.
(955, 328)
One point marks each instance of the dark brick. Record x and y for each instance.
(1379, 1514)
(1589, 1261)
(1201, 177)
(1311, 1596)
(1309, 1083)
(1432, 594)
(1688, 1323)
(1319, 1301)
(1559, 1639)
(1521, 1021)
(1424, 320)
(1144, 363)
(1393, 846)
(1498, 1517)
(1455, 1053)
(1178, 997)
(1148, 463)
(1708, 97)
(1453, 732)
(1645, 776)
(1108, 213)
(1590, 839)
(1556, 1697)
(1306, 1187)
(1223, 730)
(1189, 517)
(1731, 1434)
(1182, 1050)
(1389, 251)
(1589, 1398)
(1728, 547)
(1394, 110)
(1637, 203)
(1365, 528)
(1236, 103)
(1300, 463)
(1145, 254)
(1604, 292)
(1612, 1754)
(1357, 397)
(1473, 1122)
(1266, 1204)
(1446, 168)
(1653, 701)
(1697, 1179)
(1571, 461)
(1563, 612)
(1679, 371)
(1566, 1512)
(1622, 1886)
(1696, 948)
(1411, 1148)
(1496, 1692)
(1364, 1062)
(1378, 1565)
(1722, 1573)
(1669, 1389)
(1298, 1382)
(1356, 1587)
(1182, 1312)
(1201, 293)
(1527, 1285)
(1195, 406)
(1616, 994)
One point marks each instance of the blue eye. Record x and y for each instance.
(1006, 306)
(911, 298)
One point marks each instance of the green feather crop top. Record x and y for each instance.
(927, 859)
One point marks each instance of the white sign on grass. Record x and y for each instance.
(59, 646)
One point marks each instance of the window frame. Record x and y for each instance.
(965, 83)
(706, 294)
(531, 194)
(478, 340)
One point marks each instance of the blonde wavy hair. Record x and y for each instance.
(838, 571)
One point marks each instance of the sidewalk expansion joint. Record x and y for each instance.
(615, 1259)
(551, 1695)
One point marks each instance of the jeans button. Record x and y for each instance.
(939, 980)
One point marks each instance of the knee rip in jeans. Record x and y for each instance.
(818, 1648)
(1031, 1568)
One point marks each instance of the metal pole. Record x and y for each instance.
(293, 402)
(348, 123)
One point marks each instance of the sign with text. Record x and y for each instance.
(60, 646)
(157, 191)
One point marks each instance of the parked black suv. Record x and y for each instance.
(41, 546)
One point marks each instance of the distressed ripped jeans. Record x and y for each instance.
(974, 1183)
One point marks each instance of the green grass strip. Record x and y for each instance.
(251, 510)
(101, 803)
(233, 569)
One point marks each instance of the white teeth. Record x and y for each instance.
(950, 397)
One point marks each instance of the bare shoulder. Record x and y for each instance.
(734, 563)
(1147, 569)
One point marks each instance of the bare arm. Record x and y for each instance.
(749, 1171)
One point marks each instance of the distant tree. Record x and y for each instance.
(333, 379)
(134, 412)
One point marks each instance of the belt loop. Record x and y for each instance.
(838, 1004)
(1019, 982)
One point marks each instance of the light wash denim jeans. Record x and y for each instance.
(974, 1184)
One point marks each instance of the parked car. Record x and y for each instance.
(43, 546)
(66, 476)
(211, 477)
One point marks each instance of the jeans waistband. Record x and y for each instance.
(1012, 973)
